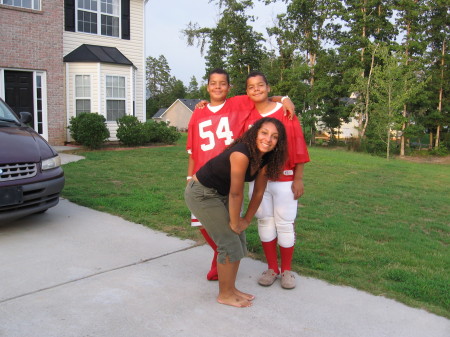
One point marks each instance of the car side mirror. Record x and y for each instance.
(25, 117)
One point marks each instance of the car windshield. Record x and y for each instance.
(6, 114)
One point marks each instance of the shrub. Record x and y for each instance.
(131, 132)
(441, 150)
(89, 129)
(161, 132)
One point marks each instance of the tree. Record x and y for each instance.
(192, 90)
(164, 88)
(233, 44)
(413, 47)
(437, 32)
(158, 75)
(300, 33)
(394, 83)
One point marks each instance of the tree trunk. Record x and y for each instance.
(388, 143)
(366, 108)
(441, 92)
(402, 138)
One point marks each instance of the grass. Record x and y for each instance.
(376, 225)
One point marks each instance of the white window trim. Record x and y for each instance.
(33, 3)
(43, 76)
(75, 98)
(106, 98)
(99, 19)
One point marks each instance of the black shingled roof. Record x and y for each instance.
(91, 53)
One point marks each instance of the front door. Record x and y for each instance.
(19, 91)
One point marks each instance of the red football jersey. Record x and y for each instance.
(298, 152)
(209, 133)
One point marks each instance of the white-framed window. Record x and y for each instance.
(31, 4)
(115, 97)
(39, 97)
(92, 14)
(82, 94)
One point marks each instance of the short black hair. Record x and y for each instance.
(257, 73)
(219, 71)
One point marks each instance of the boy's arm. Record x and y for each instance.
(288, 105)
(190, 168)
(297, 185)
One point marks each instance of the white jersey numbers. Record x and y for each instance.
(222, 132)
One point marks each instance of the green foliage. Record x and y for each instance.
(161, 132)
(441, 150)
(193, 91)
(163, 87)
(323, 52)
(132, 132)
(233, 43)
(89, 129)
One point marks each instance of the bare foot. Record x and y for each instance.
(235, 301)
(248, 297)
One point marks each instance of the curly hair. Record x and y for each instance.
(276, 158)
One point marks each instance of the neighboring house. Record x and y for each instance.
(86, 56)
(347, 130)
(178, 114)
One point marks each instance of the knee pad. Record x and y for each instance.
(266, 229)
(286, 235)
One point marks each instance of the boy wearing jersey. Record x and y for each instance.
(278, 209)
(212, 128)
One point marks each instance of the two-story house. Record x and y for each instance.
(61, 58)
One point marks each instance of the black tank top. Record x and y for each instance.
(216, 172)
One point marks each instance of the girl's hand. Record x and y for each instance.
(240, 227)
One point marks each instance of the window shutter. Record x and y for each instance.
(69, 15)
(126, 19)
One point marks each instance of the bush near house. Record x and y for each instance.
(132, 132)
(89, 129)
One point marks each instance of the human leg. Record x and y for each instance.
(212, 274)
(285, 212)
(268, 236)
(227, 290)
(212, 210)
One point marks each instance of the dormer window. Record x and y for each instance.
(92, 14)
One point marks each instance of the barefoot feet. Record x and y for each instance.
(235, 301)
(248, 297)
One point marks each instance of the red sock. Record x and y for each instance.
(286, 258)
(212, 274)
(270, 250)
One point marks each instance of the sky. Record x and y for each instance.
(166, 18)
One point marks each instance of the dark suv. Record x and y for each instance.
(31, 177)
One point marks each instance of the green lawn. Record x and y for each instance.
(376, 225)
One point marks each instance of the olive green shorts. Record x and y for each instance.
(211, 209)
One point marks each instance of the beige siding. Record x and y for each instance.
(177, 115)
(90, 69)
(133, 49)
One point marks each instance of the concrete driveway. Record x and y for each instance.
(77, 272)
